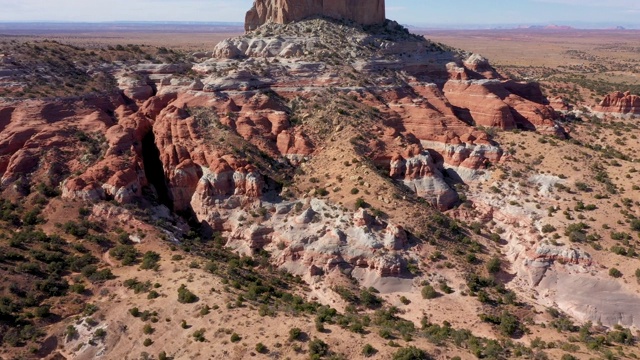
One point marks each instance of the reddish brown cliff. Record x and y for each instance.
(366, 12)
(620, 103)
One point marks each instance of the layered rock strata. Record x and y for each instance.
(619, 103)
(365, 12)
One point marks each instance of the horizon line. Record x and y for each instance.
(583, 25)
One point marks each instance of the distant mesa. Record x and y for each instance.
(365, 12)
(547, 27)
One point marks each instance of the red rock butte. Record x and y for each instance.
(365, 12)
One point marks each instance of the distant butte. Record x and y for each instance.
(365, 12)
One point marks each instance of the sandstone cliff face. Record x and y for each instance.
(492, 103)
(620, 103)
(365, 12)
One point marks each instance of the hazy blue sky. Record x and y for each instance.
(405, 11)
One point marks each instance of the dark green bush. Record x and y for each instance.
(613, 272)
(294, 334)
(411, 353)
(235, 338)
(318, 348)
(261, 348)
(185, 296)
(368, 351)
(428, 292)
(494, 265)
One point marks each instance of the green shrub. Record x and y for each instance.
(385, 333)
(508, 324)
(235, 338)
(198, 335)
(294, 334)
(445, 288)
(71, 332)
(428, 292)
(185, 296)
(77, 288)
(147, 342)
(90, 309)
(100, 334)
(613, 272)
(148, 329)
(368, 351)
(127, 254)
(494, 265)
(150, 260)
(411, 353)
(369, 299)
(135, 312)
(318, 348)
(261, 348)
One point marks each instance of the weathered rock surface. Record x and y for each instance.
(538, 262)
(594, 299)
(620, 103)
(366, 12)
(35, 136)
(419, 173)
(318, 239)
(490, 103)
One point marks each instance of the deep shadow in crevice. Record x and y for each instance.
(154, 171)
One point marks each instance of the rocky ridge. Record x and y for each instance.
(261, 107)
(250, 90)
